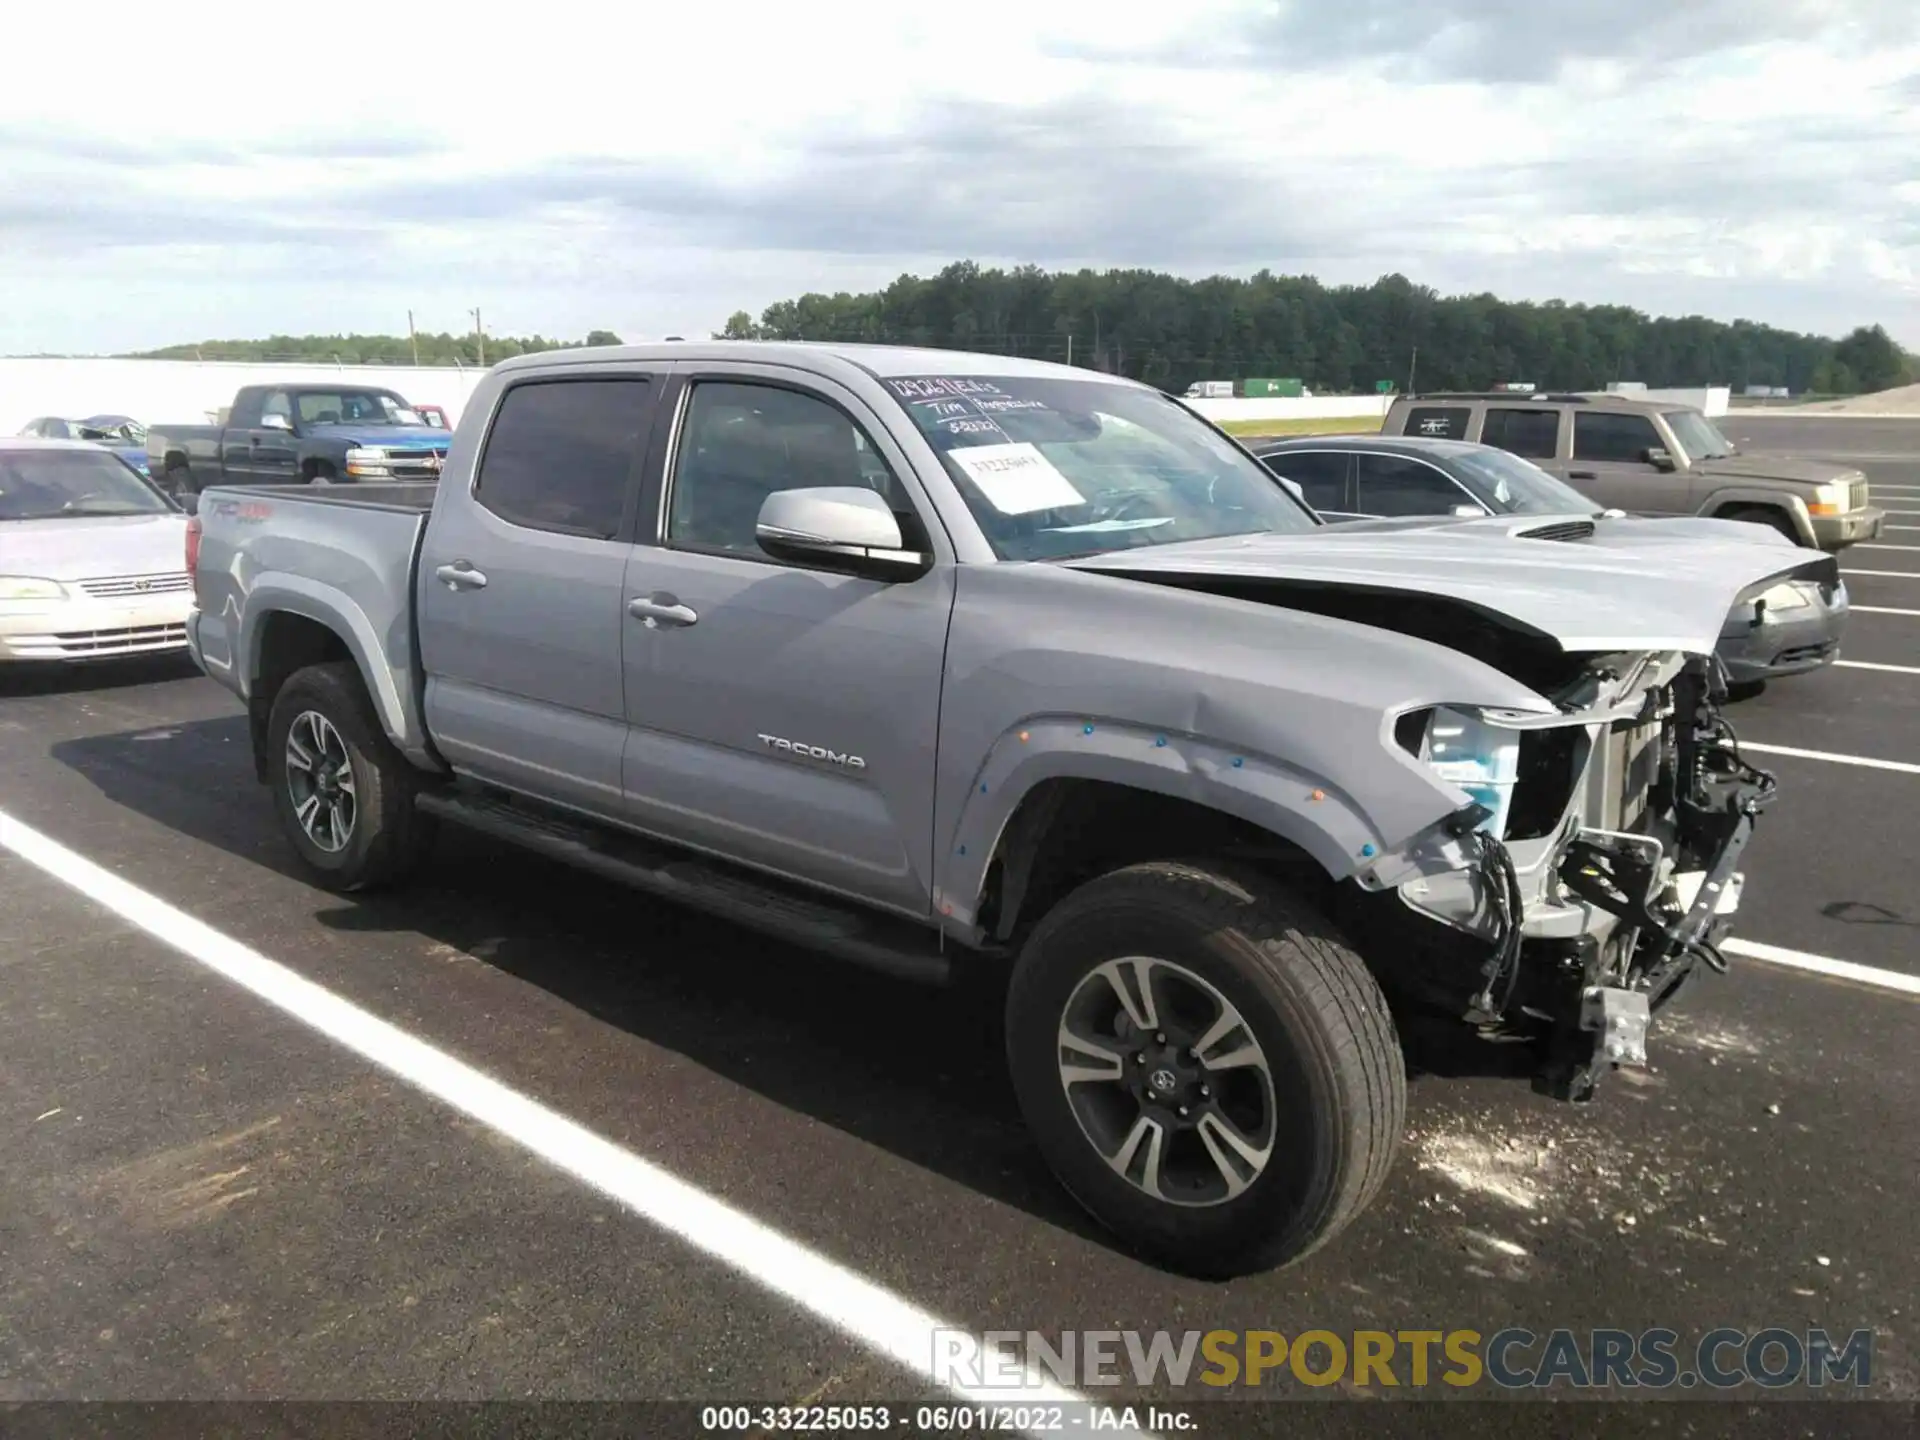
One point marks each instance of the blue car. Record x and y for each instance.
(122, 434)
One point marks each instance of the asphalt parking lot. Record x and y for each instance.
(205, 1198)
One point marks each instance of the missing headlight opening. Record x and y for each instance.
(1629, 808)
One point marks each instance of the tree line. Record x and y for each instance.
(1171, 331)
(420, 349)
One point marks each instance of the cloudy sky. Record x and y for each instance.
(217, 170)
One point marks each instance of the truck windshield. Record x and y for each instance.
(355, 407)
(1053, 468)
(1698, 436)
(1513, 486)
(69, 484)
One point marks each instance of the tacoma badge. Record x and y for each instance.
(813, 752)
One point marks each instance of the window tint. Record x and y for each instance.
(1603, 436)
(1438, 422)
(560, 454)
(277, 404)
(1534, 434)
(1320, 474)
(1392, 485)
(742, 443)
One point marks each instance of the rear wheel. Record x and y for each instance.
(1207, 1065)
(344, 795)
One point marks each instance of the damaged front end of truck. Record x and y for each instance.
(1579, 897)
(1590, 865)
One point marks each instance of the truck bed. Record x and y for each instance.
(339, 555)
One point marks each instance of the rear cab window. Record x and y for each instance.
(561, 454)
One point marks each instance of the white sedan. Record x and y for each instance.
(92, 556)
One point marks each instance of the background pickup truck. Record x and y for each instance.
(938, 661)
(299, 435)
(1649, 457)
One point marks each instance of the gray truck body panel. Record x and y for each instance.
(957, 692)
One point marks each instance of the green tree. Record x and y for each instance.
(1876, 362)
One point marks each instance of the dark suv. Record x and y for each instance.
(1385, 482)
(1652, 458)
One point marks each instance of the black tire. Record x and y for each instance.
(388, 835)
(1761, 515)
(321, 475)
(1338, 1076)
(177, 481)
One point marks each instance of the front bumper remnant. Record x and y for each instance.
(1674, 893)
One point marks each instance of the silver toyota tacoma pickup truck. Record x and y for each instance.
(931, 660)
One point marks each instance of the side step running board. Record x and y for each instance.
(893, 947)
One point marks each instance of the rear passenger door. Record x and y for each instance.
(520, 600)
(1398, 485)
(1322, 477)
(783, 715)
(1610, 465)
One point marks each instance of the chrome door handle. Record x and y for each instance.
(661, 610)
(460, 576)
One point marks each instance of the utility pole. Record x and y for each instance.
(413, 339)
(1412, 366)
(479, 336)
(1069, 347)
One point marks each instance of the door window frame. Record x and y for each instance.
(676, 401)
(1273, 458)
(1661, 440)
(655, 377)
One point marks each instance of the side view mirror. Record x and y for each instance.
(1293, 489)
(189, 502)
(843, 527)
(1661, 458)
(1468, 512)
(275, 422)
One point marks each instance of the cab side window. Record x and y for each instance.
(742, 442)
(561, 454)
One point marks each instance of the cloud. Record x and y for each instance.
(1691, 153)
(1505, 42)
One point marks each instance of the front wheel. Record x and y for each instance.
(1207, 1065)
(344, 795)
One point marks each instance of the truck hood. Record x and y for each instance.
(389, 437)
(1588, 585)
(1774, 467)
(94, 547)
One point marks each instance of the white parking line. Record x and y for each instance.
(1886, 574)
(1875, 665)
(1822, 965)
(1887, 547)
(1903, 766)
(1880, 610)
(857, 1307)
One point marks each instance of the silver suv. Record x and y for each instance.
(1652, 458)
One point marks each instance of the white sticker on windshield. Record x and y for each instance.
(1016, 479)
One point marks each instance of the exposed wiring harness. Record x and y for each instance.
(1502, 886)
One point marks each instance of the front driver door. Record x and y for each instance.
(781, 715)
(1609, 465)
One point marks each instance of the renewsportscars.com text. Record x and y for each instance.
(1512, 1358)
